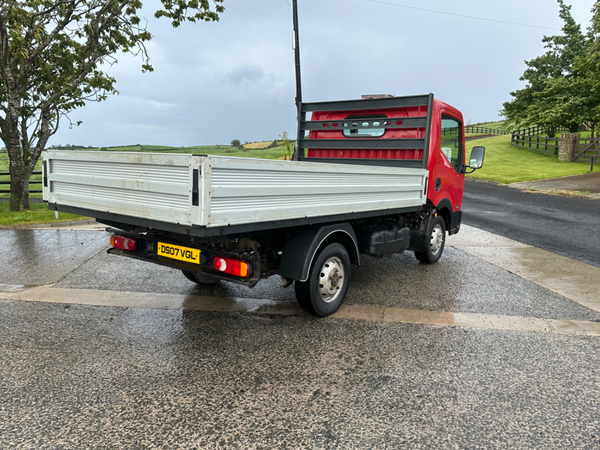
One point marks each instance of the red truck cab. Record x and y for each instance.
(416, 131)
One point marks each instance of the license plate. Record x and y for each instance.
(191, 255)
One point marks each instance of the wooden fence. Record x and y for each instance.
(5, 179)
(523, 139)
(472, 129)
(588, 151)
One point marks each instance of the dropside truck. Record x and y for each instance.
(369, 178)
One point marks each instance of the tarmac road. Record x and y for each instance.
(495, 346)
(568, 226)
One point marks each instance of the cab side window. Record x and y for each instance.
(451, 141)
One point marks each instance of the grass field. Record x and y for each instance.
(222, 150)
(219, 150)
(258, 145)
(493, 125)
(507, 164)
(263, 145)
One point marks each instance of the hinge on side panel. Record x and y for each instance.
(195, 188)
(45, 172)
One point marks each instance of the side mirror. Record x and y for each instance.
(476, 159)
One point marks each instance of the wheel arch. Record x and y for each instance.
(444, 209)
(451, 217)
(305, 243)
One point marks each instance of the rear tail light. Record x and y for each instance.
(123, 243)
(232, 266)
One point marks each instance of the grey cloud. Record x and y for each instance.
(243, 75)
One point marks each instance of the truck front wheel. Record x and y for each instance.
(434, 242)
(325, 289)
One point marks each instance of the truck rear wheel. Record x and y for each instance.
(200, 278)
(325, 289)
(434, 242)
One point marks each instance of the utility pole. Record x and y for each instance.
(297, 57)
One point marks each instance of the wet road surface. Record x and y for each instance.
(587, 184)
(496, 346)
(34, 257)
(563, 225)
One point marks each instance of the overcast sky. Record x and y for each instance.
(234, 79)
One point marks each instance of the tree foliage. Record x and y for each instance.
(590, 64)
(559, 90)
(51, 58)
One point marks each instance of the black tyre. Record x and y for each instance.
(327, 284)
(200, 278)
(434, 242)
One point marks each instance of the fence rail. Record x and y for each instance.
(541, 144)
(472, 129)
(587, 151)
(7, 181)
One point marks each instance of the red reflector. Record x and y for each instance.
(232, 266)
(123, 243)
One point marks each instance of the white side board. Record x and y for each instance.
(232, 191)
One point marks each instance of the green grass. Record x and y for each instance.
(219, 150)
(493, 125)
(39, 213)
(225, 150)
(507, 164)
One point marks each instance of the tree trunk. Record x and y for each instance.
(19, 172)
(12, 139)
(19, 183)
(22, 159)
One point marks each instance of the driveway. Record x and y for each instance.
(497, 345)
(586, 184)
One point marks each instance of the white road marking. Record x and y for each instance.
(120, 299)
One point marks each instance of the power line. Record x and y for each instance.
(461, 15)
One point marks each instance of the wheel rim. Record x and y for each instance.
(437, 239)
(331, 279)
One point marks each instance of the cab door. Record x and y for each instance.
(449, 179)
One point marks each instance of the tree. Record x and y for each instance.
(236, 143)
(549, 75)
(590, 65)
(51, 53)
